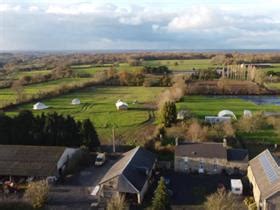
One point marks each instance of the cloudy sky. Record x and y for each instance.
(145, 24)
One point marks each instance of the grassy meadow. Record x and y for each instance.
(180, 66)
(200, 106)
(7, 95)
(98, 104)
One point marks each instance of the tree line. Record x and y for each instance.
(50, 129)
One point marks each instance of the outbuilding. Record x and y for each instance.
(130, 176)
(236, 186)
(35, 161)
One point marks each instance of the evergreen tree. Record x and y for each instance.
(5, 129)
(168, 113)
(160, 200)
(23, 127)
(89, 134)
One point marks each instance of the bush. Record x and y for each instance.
(37, 193)
(117, 202)
(222, 200)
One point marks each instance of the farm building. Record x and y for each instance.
(264, 175)
(130, 176)
(34, 161)
(39, 106)
(223, 116)
(75, 101)
(121, 105)
(209, 158)
(215, 119)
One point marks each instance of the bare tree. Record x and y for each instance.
(196, 132)
(117, 202)
(222, 200)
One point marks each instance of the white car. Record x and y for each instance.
(100, 159)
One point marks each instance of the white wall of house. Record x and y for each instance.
(256, 191)
(66, 156)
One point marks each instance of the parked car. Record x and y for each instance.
(100, 159)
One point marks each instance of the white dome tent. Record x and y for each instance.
(121, 105)
(227, 113)
(39, 106)
(75, 101)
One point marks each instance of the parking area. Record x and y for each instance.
(74, 192)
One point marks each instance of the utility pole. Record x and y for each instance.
(113, 135)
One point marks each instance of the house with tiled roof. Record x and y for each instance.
(130, 176)
(264, 175)
(210, 158)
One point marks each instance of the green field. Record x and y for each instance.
(7, 95)
(201, 106)
(98, 104)
(182, 65)
(275, 67)
(32, 73)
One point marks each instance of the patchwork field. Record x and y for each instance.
(98, 104)
(200, 106)
(7, 95)
(174, 65)
(179, 65)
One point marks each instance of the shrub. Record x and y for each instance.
(117, 202)
(37, 193)
(222, 200)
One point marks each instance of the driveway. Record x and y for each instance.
(74, 192)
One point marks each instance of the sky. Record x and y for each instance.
(139, 25)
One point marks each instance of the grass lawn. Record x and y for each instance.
(182, 64)
(200, 106)
(89, 69)
(98, 104)
(32, 73)
(275, 67)
(7, 95)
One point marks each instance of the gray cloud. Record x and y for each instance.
(87, 26)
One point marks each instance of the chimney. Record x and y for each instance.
(224, 142)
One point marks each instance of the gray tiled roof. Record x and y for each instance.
(19, 160)
(130, 170)
(262, 172)
(206, 150)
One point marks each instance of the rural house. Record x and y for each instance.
(209, 158)
(130, 176)
(34, 161)
(264, 175)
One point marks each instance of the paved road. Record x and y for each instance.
(74, 193)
